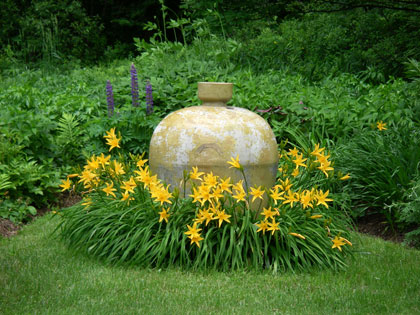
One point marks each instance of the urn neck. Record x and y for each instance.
(214, 104)
(215, 94)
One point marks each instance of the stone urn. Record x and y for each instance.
(207, 136)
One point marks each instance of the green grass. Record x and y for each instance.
(39, 275)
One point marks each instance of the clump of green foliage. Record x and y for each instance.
(410, 212)
(383, 162)
(24, 183)
(49, 31)
(128, 215)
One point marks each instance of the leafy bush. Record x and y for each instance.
(23, 183)
(49, 30)
(18, 211)
(373, 44)
(409, 212)
(128, 216)
(334, 107)
(382, 164)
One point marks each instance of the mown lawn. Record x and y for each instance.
(38, 275)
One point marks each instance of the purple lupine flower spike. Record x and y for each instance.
(109, 98)
(134, 86)
(149, 98)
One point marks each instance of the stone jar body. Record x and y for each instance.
(207, 136)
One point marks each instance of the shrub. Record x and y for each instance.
(24, 183)
(382, 161)
(410, 213)
(50, 30)
(373, 44)
(127, 215)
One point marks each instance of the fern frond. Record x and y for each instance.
(68, 129)
(4, 182)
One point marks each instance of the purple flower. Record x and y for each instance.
(149, 98)
(109, 98)
(134, 86)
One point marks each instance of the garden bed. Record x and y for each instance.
(376, 225)
(8, 228)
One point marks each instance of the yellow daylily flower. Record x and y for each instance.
(285, 185)
(196, 195)
(306, 199)
(234, 162)
(338, 242)
(257, 193)
(217, 193)
(268, 213)
(299, 160)
(205, 194)
(222, 216)
(322, 159)
(210, 179)
(276, 195)
(316, 216)
(87, 202)
(193, 231)
(103, 160)
(109, 190)
(87, 177)
(291, 198)
(345, 177)
(326, 167)
(164, 215)
(273, 226)
(129, 185)
(113, 143)
(196, 239)
(195, 174)
(346, 241)
(206, 215)
(66, 184)
(225, 185)
(317, 150)
(118, 168)
(238, 186)
(126, 196)
(239, 196)
(110, 134)
(381, 125)
(163, 195)
(263, 226)
(140, 163)
(297, 235)
(293, 152)
(92, 164)
(322, 198)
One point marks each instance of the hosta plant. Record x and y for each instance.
(128, 215)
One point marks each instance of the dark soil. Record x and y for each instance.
(376, 225)
(8, 228)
